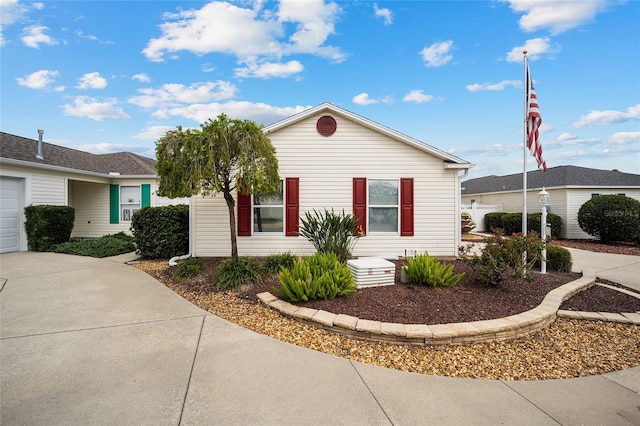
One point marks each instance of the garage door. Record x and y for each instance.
(10, 204)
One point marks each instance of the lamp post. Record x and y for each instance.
(543, 199)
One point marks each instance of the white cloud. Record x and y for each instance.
(417, 96)
(174, 94)
(383, 13)
(535, 48)
(38, 6)
(152, 133)
(567, 139)
(86, 107)
(622, 138)
(92, 80)
(105, 148)
(364, 99)
(270, 69)
(246, 33)
(609, 117)
(38, 80)
(477, 87)
(259, 112)
(438, 53)
(34, 36)
(12, 12)
(142, 78)
(556, 16)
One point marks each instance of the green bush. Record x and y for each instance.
(427, 270)
(534, 219)
(188, 268)
(233, 273)
(501, 255)
(330, 232)
(161, 232)
(493, 220)
(274, 262)
(512, 223)
(559, 259)
(106, 246)
(611, 218)
(47, 225)
(321, 276)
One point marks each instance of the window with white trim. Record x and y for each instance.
(268, 212)
(129, 202)
(384, 205)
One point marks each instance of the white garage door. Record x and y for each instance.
(10, 204)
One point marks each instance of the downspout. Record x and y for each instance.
(458, 232)
(174, 260)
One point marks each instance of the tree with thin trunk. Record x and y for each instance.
(225, 155)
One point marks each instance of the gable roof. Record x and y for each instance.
(23, 151)
(451, 160)
(554, 177)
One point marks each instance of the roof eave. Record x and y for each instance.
(50, 167)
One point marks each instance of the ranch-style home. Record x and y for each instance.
(105, 190)
(405, 192)
(569, 188)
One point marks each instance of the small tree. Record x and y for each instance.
(611, 217)
(225, 155)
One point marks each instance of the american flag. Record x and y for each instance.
(534, 120)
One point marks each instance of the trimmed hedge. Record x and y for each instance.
(512, 222)
(48, 225)
(493, 220)
(559, 259)
(611, 218)
(161, 232)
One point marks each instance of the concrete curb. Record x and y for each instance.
(508, 328)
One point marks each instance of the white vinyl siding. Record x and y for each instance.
(326, 167)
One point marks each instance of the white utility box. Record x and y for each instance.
(372, 271)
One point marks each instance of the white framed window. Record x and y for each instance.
(268, 212)
(383, 205)
(129, 202)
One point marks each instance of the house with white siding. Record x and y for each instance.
(569, 188)
(105, 190)
(405, 193)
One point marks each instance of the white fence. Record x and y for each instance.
(477, 212)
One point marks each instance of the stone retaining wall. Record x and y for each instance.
(508, 328)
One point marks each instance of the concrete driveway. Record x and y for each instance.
(97, 342)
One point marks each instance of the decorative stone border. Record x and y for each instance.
(508, 328)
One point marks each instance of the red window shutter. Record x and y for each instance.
(292, 189)
(244, 214)
(360, 202)
(406, 207)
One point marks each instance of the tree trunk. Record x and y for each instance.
(231, 204)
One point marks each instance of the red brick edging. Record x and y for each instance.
(508, 328)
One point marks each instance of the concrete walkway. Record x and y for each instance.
(87, 341)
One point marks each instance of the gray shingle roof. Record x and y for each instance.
(561, 176)
(25, 149)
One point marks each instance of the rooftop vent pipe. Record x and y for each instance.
(39, 154)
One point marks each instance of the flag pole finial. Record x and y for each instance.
(524, 52)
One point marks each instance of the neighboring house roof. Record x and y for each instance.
(22, 150)
(451, 160)
(554, 177)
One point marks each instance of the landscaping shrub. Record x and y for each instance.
(274, 262)
(330, 232)
(188, 268)
(559, 259)
(233, 273)
(511, 223)
(493, 220)
(47, 225)
(534, 220)
(161, 232)
(321, 276)
(502, 254)
(611, 218)
(106, 246)
(427, 270)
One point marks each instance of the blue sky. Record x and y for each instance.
(115, 75)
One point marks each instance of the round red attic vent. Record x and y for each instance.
(326, 125)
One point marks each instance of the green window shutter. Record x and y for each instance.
(146, 195)
(114, 204)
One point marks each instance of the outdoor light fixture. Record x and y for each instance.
(543, 199)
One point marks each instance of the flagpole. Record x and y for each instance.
(524, 149)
